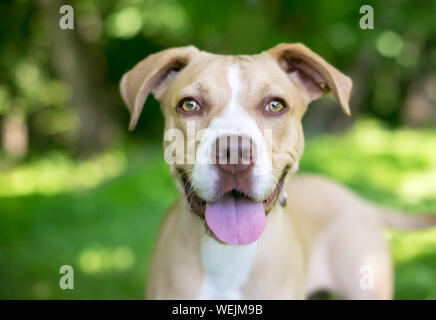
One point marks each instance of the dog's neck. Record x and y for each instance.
(226, 267)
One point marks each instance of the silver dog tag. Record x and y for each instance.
(282, 199)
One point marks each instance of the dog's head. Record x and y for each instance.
(233, 126)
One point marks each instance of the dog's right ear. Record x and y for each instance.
(152, 75)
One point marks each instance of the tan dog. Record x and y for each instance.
(233, 233)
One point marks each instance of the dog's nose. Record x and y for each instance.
(235, 154)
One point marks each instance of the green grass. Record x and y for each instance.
(88, 229)
(101, 216)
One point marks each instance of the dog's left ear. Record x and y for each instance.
(152, 75)
(312, 73)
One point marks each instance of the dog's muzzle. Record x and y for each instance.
(234, 217)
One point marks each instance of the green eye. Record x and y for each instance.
(274, 106)
(190, 105)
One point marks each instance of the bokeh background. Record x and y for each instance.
(77, 188)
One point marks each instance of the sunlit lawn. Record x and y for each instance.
(101, 216)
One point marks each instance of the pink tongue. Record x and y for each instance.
(236, 221)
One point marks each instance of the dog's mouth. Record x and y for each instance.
(235, 217)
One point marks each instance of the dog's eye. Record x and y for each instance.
(274, 106)
(189, 105)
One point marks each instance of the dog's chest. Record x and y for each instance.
(226, 268)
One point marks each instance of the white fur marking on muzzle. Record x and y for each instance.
(234, 120)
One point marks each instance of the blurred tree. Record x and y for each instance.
(82, 66)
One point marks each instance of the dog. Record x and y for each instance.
(249, 228)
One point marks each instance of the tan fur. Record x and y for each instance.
(323, 236)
